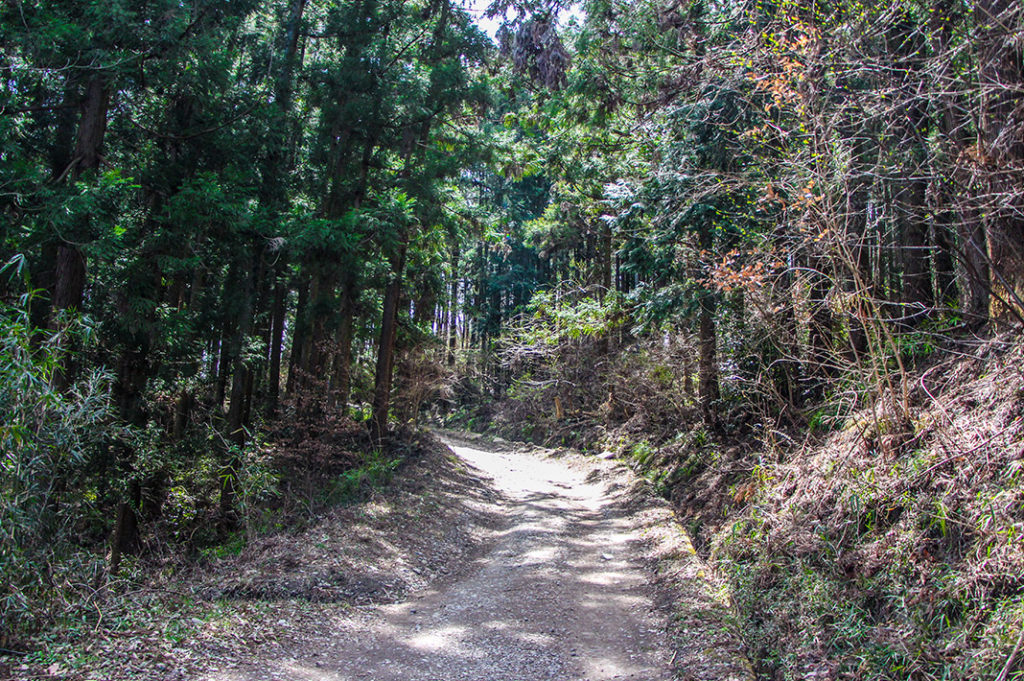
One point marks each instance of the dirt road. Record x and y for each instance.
(559, 593)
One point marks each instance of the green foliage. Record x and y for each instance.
(553, 317)
(823, 421)
(233, 545)
(375, 471)
(256, 483)
(641, 452)
(51, 443)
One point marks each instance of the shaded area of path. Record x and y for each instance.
(560, 594)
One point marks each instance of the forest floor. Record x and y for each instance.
(568, 572)
(555, 593)
(480, 561)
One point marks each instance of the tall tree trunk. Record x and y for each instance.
(309, 336)
(952, 140)
(606, 259)
(223, 369)
(414, 140)
(386, 349)
(295, 360)
(321, 339)
(942, 248)
(92, 126)
(917, 283)
(133, 371)
(262, 318)
(342, 374)
(69, 271)
(1001, 78)
(277, 321)
(235, 423)
(911, 129)
(454, 332)
(183, 406)
(66, 117)
(953, 217)
(707, 366)
(707, 338)
(125, 539)
(274, 196)
(69, 282)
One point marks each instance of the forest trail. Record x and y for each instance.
(561, 592)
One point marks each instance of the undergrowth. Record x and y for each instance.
(373, 472)
(285, 482)
(877, 535)
(874, 553)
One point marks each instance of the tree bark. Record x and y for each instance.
(952, 217)
(70, 271)
(453, 311)
(342, 373)
(709, 392)
(235, 423)
(133, 371)
(415, 137)
(1001, 78)
(386, 350)
(277, 320)
(298, 338)
(707, 338)
(606, 259)
(911, 129)
(274, 196)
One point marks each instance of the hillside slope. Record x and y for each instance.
(883, 554)
(869, 546)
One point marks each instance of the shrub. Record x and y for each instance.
(50, 440)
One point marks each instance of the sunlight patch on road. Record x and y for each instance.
(436, 639)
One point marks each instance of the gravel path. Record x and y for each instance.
(560, 594)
